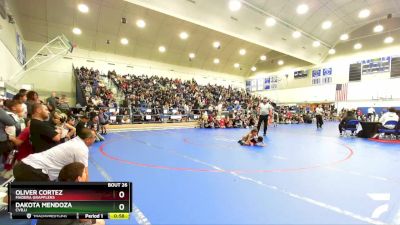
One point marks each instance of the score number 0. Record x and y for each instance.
(121, 195)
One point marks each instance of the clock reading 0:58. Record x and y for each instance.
(119, 216)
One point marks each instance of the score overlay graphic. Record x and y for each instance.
(49, 200)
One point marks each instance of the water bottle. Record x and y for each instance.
(10, 159)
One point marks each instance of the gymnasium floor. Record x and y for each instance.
(302, 176)
(202, 176)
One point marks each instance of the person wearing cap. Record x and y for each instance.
(264, 110)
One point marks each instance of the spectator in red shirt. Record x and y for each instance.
(23, 143)
(222, 123)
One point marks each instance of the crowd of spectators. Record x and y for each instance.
(151, 98)
(38, 138)
(95, 91)
(213, 105)
(166, 93)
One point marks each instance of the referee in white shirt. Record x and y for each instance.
(319, 112)
(45, 166)
(264, 110)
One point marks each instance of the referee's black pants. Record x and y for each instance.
(319, 120)
(260, 120)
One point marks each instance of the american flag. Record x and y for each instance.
(341, 92)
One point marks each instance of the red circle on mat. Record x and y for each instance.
(217, 170)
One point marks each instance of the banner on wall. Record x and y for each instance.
(274, 82)
(327, 75)
(316, 76)
(376, 65)
(253, 85)
(267, 83)
(21, 52)
(321, 76)
(260, 84)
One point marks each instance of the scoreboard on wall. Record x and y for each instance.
(89, 200)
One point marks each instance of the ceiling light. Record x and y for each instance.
(183, 35)
(316, 44)
(263, 57)
(281, 62)
(326, 25)
(140, 23)
(364, 13)
(124, 41)
(296, 34)
(357, 46)
(270, 22)
(253, 69)
(236, 65)
(302, 9)
(76, 31)
(344, 37)
(216, 61)
(216, 44)
(332, 51)
(162, 49)
(235, 5)
(242, 51)
(192, 55)
(378, 28)
(388, 40)
(83, 8)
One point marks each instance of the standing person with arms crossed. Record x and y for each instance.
(43, 135)
(264, 109)
(319, 111)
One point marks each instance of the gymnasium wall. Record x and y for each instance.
(373, 86)
(8, 49)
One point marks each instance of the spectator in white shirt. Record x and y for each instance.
(371, 114)
(219, 108)
(391, 115)
(45, 166)
(21, 97)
